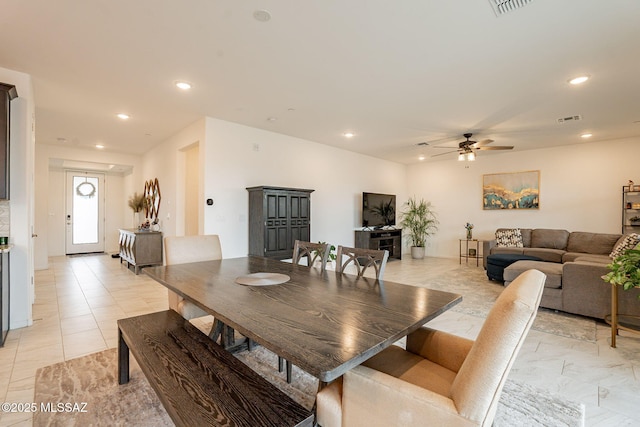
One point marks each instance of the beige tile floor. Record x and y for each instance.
(79, 299)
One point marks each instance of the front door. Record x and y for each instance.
(84, 212)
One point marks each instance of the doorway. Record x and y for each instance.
(84, 212)
(192, 190)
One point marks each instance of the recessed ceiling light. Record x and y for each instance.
(586, 135)
(349, 134)
(183, 85)
(123, 116)
(99, 146)
(578, 80)
(421, 157)
(272, 119)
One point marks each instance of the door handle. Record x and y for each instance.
(34, 235)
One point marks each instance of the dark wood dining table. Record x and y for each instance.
(323, 322)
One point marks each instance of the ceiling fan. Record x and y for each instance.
(466, 149)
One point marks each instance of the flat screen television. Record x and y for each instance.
(378, 210)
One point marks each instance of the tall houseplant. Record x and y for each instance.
(418, 222)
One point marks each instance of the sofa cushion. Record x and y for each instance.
(545, 254)
(513, 250)
(580, 257)
(592, 243)
(509, 237)
(548, 238)
(552, 270)
(625, 243)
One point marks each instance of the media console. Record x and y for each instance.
(390, 240)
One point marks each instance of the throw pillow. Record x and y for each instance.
(625, 243)
(509, 237)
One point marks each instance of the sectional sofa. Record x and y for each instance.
(574, 263)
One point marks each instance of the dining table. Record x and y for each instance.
(322, 321)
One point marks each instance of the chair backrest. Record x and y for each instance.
(362, 259)
(478, 384)
(184, 249)
(312, 251)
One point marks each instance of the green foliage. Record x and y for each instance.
(625, 270)
(332, 252)
(419, 221)
(386, 211)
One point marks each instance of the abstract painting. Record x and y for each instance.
(514, 190)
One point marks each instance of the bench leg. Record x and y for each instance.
(289, 373)
(216, 330)
(123, 360)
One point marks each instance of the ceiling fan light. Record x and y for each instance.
(471, 156)
(461, 157)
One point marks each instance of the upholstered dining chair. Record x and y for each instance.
(362, 259)
(312, 252)
(186, 249)
(440, 379)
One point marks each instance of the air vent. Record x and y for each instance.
(500, 7)
(570, 119)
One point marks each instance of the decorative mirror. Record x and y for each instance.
(152, 194)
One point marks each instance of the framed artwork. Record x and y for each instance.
(513, 190)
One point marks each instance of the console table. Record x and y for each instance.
(140, 248)
(390, 240)
(620, 321)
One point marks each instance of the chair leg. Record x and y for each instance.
(289, 369)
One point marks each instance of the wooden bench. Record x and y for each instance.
(198, 382)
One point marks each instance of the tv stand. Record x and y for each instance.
(380, 239)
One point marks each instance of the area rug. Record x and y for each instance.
(92, 380)
(479, 294)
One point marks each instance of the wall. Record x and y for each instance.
(50, 197)
(238, 157)
(22, 198)
(580, 190)
(230, 164)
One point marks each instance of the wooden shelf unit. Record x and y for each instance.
(390, 240)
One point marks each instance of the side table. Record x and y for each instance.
(471, 250)
(620, 321)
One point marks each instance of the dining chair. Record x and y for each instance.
(362, 259)
(440, 379)
(312, 252)
(187, 249)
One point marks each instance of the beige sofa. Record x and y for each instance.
(574, 263)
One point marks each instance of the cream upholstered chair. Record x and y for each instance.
(440, 379)
(362, 259)
(312, 252)
(186, 249)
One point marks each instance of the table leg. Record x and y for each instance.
(614, 315)
(123, 359)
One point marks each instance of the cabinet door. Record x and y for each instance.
(276, 224)
(299, 217)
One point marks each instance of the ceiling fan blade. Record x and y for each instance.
(497, 147)
(483, 143)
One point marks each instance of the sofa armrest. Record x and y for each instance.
(370, 397)
(487, 245)
(439, 347)
(583, 290)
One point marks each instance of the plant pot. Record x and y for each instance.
(417, 252)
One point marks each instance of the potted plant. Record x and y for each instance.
(625, 270)
(137, 203)
(419, 222)
(332, 253)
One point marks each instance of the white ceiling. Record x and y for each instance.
(396, 73)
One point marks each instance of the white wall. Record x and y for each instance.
(50, 197)
(230, 164)
(22, 198)
(580, 190)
